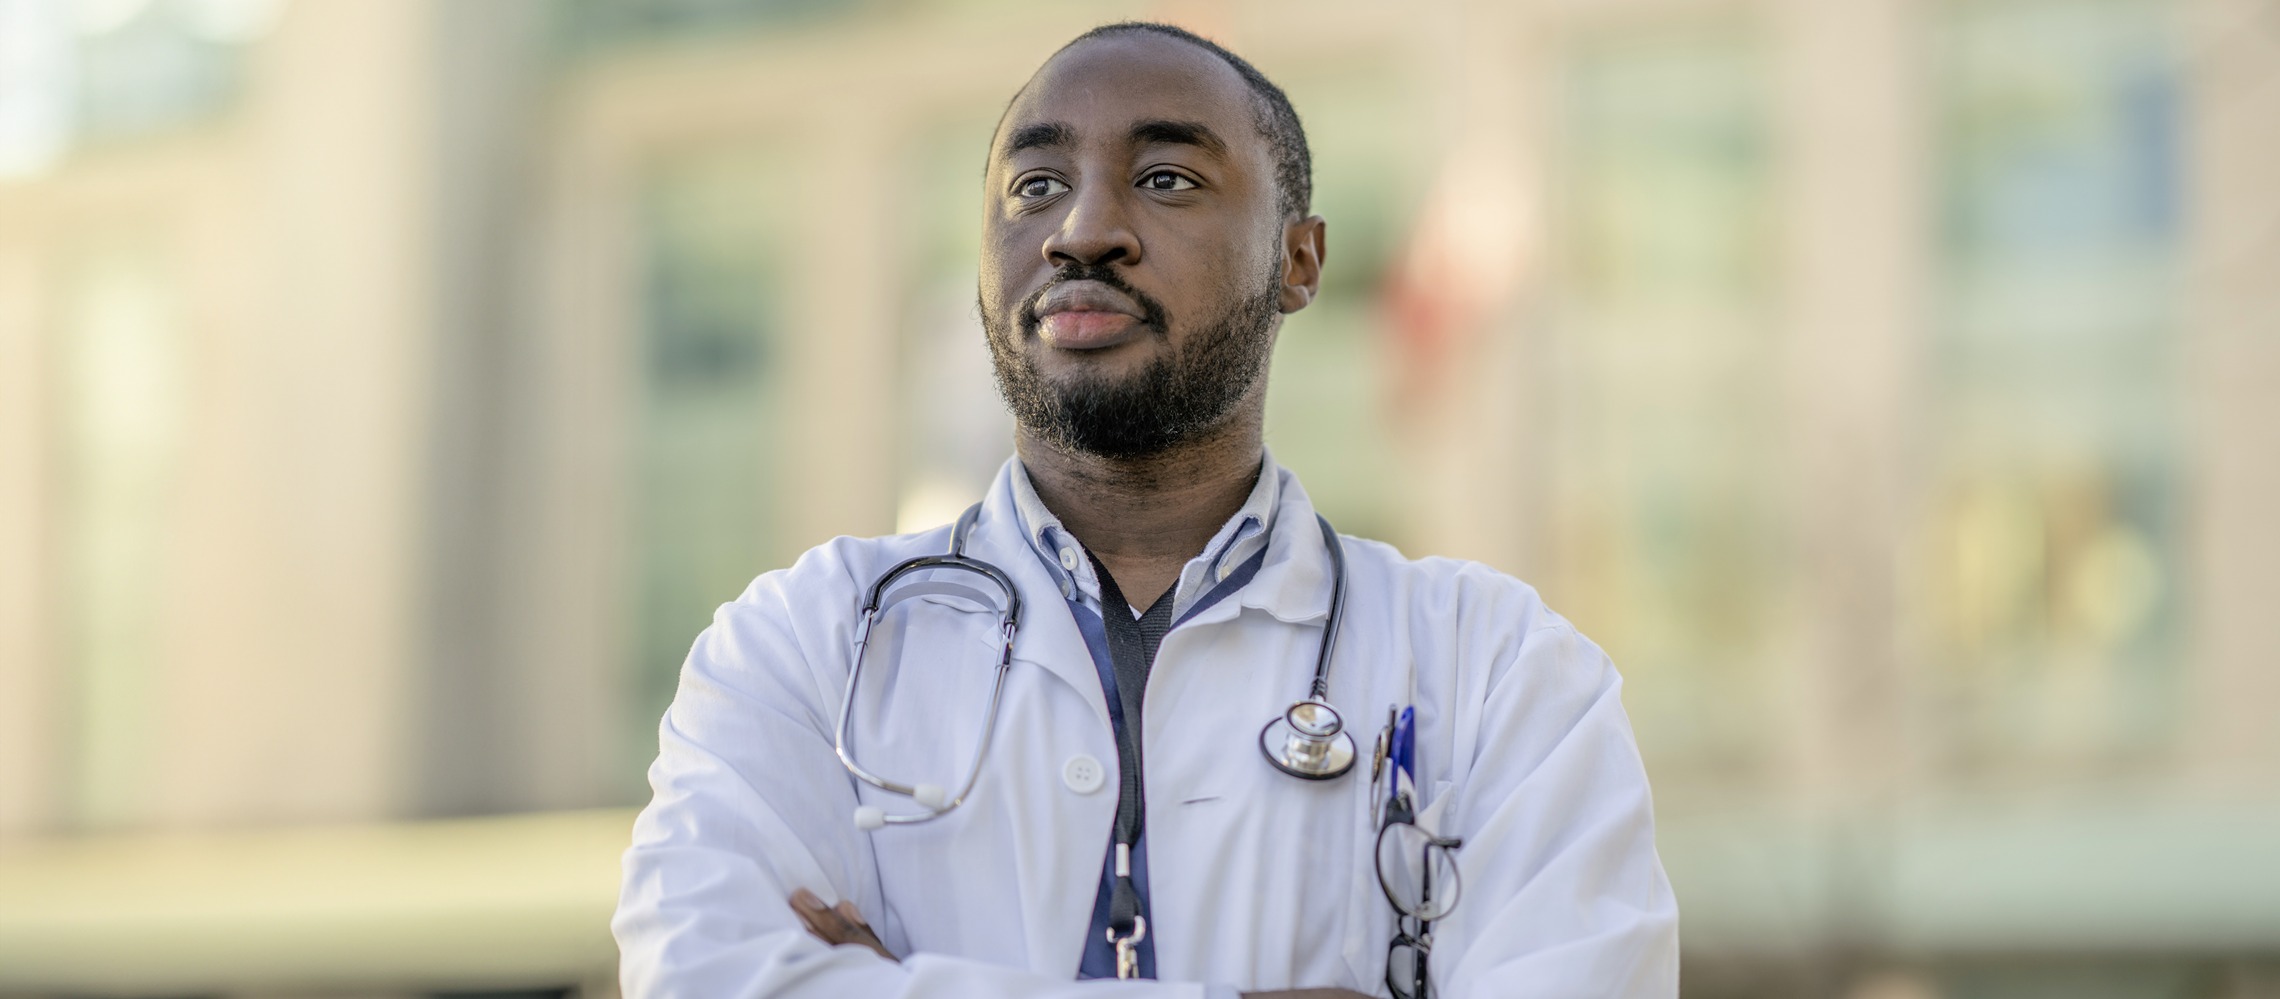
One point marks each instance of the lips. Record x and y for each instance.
(1087, 315)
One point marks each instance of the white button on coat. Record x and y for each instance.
(1256, 880)
(1083, 774)
(1069, 559)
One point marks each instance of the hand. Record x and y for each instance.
(836, 925)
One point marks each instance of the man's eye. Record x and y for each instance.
(1166, 180)
(1040, 187)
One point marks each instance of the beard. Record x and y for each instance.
(1179, 394)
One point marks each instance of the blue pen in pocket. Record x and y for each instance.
(1404, 755)
(1398, 768)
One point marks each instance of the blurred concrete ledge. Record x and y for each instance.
(492, 903)
(524, 901)
(2111, 877)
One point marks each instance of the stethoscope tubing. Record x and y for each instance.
(1009, 624)
(1317, 692)
(1320, 690)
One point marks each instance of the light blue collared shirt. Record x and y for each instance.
(1244, 535)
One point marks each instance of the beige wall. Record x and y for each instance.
(285, 616)
(2234, 351)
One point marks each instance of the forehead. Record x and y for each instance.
(1100, 86)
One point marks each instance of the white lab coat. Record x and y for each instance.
(1256, 879)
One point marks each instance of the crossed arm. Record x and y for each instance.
(843, 924)
(728, 824)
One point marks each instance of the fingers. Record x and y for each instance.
(861, 931)
(818, 920)
(832, 925)
(835, 925)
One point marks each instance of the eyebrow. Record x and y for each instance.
(1153, 132)
(1178, 133)
(1042, 135)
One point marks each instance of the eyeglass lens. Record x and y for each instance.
(1404, 966)
(1418, 872)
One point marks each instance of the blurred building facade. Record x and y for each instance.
(390, 390)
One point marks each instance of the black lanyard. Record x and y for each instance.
(1132, 645)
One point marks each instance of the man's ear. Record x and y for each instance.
(1303, 254)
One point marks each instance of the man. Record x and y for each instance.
(1146, 228)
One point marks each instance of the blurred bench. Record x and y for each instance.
(513, 902)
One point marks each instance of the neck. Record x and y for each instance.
(1144, 518)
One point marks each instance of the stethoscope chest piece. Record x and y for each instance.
(1309, 742)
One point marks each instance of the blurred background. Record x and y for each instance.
(390, 389)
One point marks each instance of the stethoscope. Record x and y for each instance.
(1308, 740)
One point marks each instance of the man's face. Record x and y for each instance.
(1133, 258)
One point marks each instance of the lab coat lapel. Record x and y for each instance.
(1293, 582)
(1049, 637)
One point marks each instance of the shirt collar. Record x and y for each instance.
(1244, 534)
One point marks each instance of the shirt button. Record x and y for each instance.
(1083, 774)
(1069, 559)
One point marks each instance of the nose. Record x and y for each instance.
(1096, 230)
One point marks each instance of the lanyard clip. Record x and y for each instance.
(1128, 949)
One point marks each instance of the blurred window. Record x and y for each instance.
(1668, 153)
(2051, 564)
(95, 70)
(707, 455)
(1329, 398)
(954, 430)
(122, 371)
(1667, 540)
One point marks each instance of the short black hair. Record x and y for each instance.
(1277, 120)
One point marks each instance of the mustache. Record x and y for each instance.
(1152, 314)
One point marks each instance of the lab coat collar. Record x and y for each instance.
(1293, 583)
(1048, 636)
